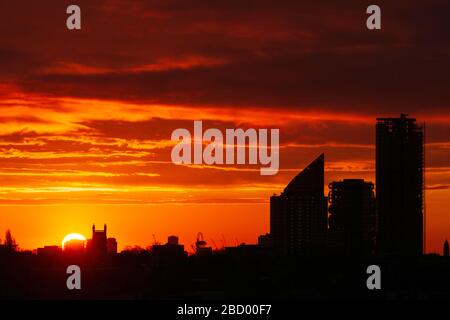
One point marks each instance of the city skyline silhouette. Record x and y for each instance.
(309, 233)
(337, 171)
(85, 130)
(302, 222)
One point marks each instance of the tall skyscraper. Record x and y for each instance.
(400, 185)
(298, 217)
(352, 219)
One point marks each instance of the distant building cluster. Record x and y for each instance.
(351, 220)
(356, 218)
(169, 253)
(98, 245)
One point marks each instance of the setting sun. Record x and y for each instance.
(72, 236)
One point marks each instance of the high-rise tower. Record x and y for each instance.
(298, 217)
(400, 185)
(352, 220)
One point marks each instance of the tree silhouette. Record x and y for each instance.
(10, 242)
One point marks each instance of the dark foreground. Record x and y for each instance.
(222, 276)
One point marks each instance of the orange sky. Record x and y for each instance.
(86, 116)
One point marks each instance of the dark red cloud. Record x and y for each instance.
(302, 55)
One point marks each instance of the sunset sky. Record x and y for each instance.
(86, 116)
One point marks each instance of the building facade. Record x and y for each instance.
(298, 216)
(98, 244)
(400, 185)
(352, 218)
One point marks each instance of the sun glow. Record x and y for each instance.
(72, 236)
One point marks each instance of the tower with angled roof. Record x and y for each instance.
(298, 216)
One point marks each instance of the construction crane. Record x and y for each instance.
(200, 246)
(200, 240)
(214, 244)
